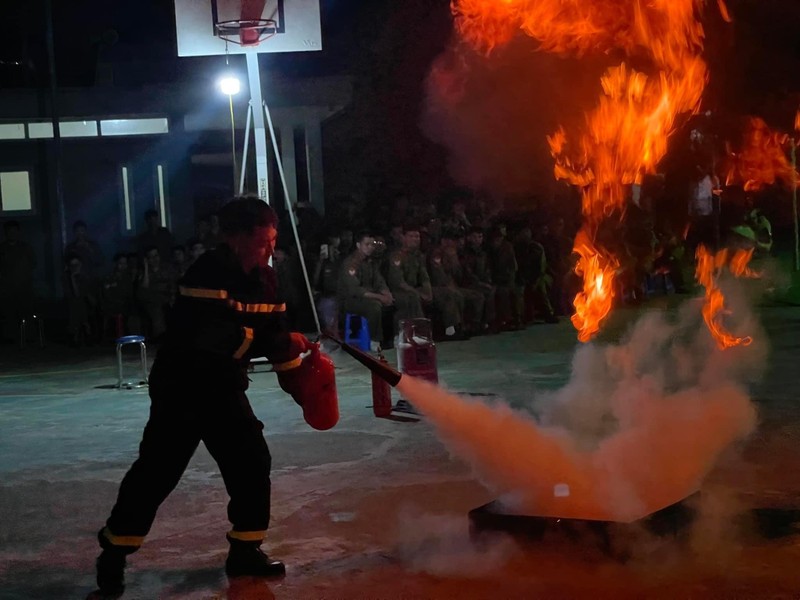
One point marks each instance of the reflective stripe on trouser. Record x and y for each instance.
(179, 419)
(130, 542)
(247, 536)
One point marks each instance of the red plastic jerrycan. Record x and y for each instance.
(416, 351)
(312, 384)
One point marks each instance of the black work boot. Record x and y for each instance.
(110, 574)
(110, 569)
(246, 559)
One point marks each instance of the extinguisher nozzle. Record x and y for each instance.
(381, 369)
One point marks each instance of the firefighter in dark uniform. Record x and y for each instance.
(226, 312)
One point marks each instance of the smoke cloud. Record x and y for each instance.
(638, 426)
(441, 545)
(493, 115)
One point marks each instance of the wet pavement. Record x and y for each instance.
(375, 508)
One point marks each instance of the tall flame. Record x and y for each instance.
(625, 136)
(762, 159)
(709, 269)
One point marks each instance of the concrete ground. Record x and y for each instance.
(375, 508)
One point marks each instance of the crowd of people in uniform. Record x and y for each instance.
(468, 267)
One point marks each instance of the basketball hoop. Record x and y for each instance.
(247, 32)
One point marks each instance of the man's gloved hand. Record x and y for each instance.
(298, 344)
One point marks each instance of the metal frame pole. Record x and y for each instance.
(290, 210)
(262, 170)
(246, 147)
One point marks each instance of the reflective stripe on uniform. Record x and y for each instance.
(288, 365)
(204, 293)
(248, 339)
(123, 540)
(256, 308)
(248, 536)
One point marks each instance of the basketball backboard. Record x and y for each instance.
(287, 26)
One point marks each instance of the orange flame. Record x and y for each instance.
(723, 10)
(593, 304)
(626, 134)
(739, 264)
(797, 121)
(709, 268)
(762, 160)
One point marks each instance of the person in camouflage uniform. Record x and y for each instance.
(447, 277)
(476, 275)
(533, 277)
(408, 278)
(362, 289)
(503, 265)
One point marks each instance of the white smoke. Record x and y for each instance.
(638, 426)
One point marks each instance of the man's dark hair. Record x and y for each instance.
(70, 256)
(409, 226)
(11, 225)
(244, 213)
(119, 255)
(180, 247)
(149, 249)
(150, 212)
(475, 229)
(77, 224)
(359, 237)
(191, 242)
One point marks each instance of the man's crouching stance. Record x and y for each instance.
(227, 311)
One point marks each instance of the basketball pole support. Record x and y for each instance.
(259, 127)
(259, 119)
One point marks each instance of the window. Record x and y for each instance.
(161, 195)
(15, 192)
(127, 220)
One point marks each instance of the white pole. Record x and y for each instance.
(262, 172)
(246, 146)
(290, 209)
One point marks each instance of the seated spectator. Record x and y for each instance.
(290, 285)
(87, 250)
(533, 277)
(325, 283)
(117, 298)
(477, 275)
(408, 278)
(196, 249)
(362, 290)
(81, 301)
(179, 261)
(155, 236)
(446, 275)
(503, 266)
(17, 264)
(156, 291)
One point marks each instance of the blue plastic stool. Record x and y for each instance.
(362, 341)
(123, 341)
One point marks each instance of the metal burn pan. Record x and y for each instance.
(608, 536)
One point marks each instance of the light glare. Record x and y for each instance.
(230, 85)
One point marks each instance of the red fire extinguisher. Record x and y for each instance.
(381, 393)
(312, 384)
